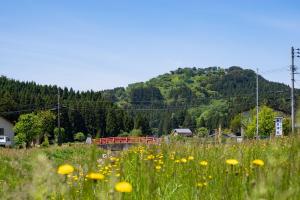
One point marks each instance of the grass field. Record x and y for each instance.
(180, 170)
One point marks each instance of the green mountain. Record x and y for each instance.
(186, 97)
(196, 97)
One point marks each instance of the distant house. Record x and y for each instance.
(6, 128)
(182, 132)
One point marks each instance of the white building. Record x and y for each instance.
(6, 128)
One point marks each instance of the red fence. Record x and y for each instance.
(131, 140)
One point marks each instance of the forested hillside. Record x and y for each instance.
(186, 97)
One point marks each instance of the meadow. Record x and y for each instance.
(265, 169)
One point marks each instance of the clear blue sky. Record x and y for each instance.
(104, 44)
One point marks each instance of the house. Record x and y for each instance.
(6, 128)
(182, 132)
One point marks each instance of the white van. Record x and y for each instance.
(5, 141)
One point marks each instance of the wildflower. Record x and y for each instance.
(258, 162)
(210, 177)
(200, 185)
(113, 159)
(183, 160)
(205, 184)
(95, 176)
(150, 157)
(203, 163)
(123, 187)
(232, 162)
(65, 169)
(158, 167)
(118, 175)
(177, 161)
(190, 158)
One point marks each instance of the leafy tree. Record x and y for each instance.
(215, 114)
(266, 125)
(28, 128)
(47, 122)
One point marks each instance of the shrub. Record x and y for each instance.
(19, 141)
(45, 142)
(202, 132)
(136, 132)
(124, 134)
(79, 137)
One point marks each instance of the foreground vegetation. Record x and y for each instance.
(267, 169)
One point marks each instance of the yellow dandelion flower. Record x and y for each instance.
(123, 187)
(191, 158)
(258, 162)
(199, 185)
(183, 160)
(95, 176)
(158, 167)
(177, 161)
(232, 162)
(205, 184)
(150, 157)
(210, 177)
(65, 169)
(75, 178)
(203, 163)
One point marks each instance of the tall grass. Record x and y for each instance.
(167, 171)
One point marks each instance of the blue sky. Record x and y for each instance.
(105, 44)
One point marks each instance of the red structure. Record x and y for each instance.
(128, 140)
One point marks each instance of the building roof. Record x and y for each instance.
(3, 118)
(182, 130)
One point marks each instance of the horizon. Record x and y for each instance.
(99, 45)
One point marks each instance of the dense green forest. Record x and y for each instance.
(186, 97)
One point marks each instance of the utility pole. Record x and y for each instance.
(293, 69)
(58, 117)
(257, 136)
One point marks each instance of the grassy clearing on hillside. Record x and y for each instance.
(189, 170)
